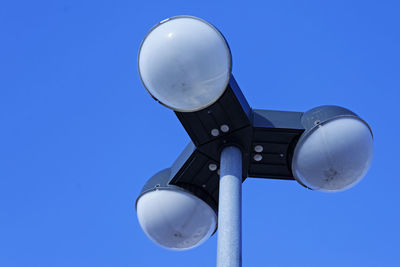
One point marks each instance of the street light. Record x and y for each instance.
(185, 64)
(334, 152)
(173, 217)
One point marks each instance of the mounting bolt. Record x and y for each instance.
(258, 148)
(212, 167)
(257, 157)
(224, 128)
(215, 132)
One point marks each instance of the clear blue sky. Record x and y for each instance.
(80, 135)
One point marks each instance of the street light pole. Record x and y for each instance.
(186, 65)
(229, 247)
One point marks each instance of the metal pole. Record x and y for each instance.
(229, 247)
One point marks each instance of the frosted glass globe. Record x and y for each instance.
(175, 219)
(185, 63)
(333, 156)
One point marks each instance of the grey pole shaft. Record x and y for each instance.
(229, 246)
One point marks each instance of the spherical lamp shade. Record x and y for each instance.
(334, 155)
(175, 219)
(185, 63)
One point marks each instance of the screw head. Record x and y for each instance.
(224, 128)
(212, 167)
(215, 132)
(258, 148)
(257, 157)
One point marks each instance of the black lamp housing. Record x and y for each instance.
(267, 139)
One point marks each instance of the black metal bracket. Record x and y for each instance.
(231, 120)
(267, 139)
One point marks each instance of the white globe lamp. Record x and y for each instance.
(335, 151)
(172, 217)
(185, 63)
